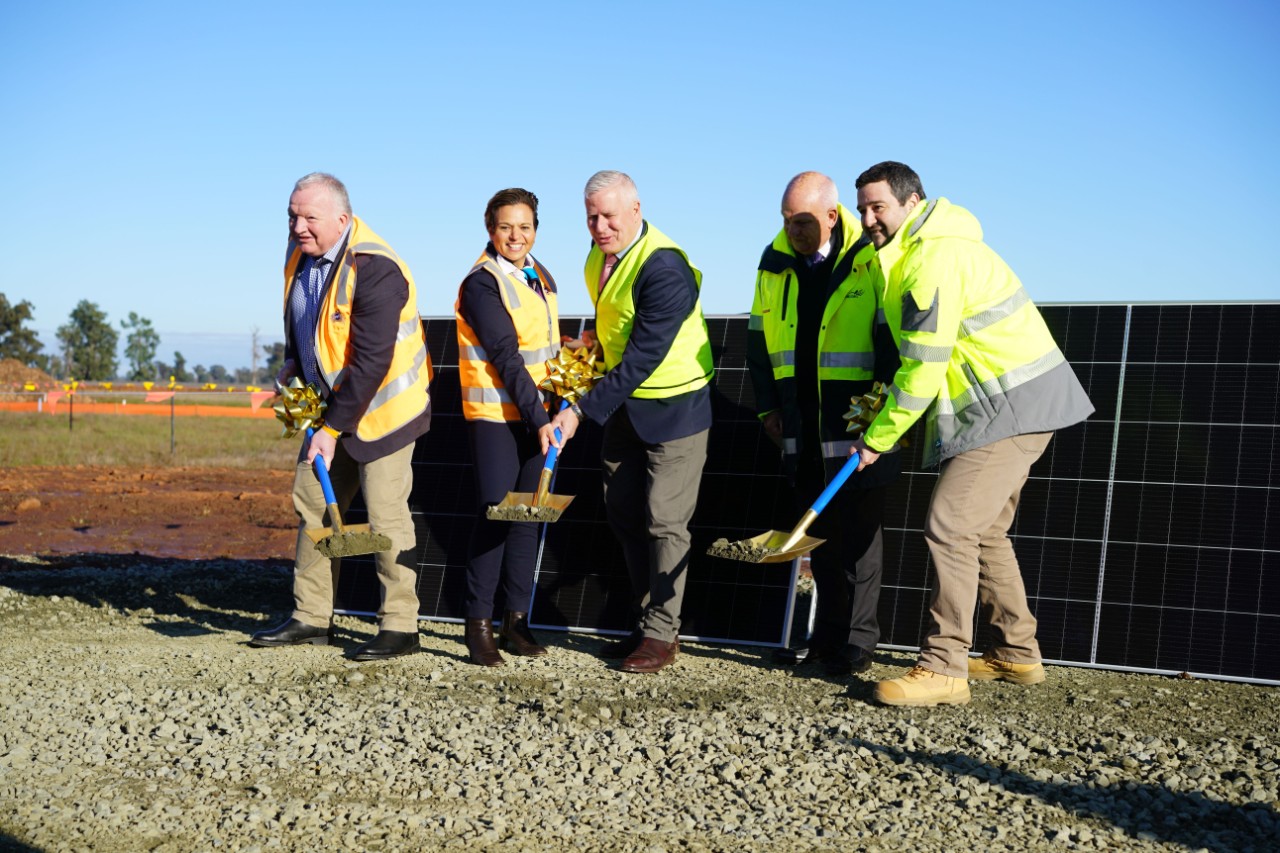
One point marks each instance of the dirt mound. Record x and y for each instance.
(14, 375)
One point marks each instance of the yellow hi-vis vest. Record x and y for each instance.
(688, 365)
(846, 338)
(403, 394)
(976, 354)
(537, 324)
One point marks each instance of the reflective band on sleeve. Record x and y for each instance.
(836, 449)
(923, 352)
(755, 323)
(1000, 385)
(994, 314)
(790, 447)
(785, 358)
(914, 404)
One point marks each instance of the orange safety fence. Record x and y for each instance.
(148, 409)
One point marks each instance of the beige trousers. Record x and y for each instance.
(967, 530)
(385, 484)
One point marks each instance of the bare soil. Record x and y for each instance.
(190, 513)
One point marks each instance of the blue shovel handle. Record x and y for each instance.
(553, 451)
(834, 486)
(322, 473)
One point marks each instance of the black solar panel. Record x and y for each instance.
(1149, 536)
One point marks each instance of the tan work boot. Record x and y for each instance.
(990, 668)
(923, 687)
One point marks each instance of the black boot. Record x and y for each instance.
(482, 648)
(516, 636)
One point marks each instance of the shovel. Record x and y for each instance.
(778, 546)
(340, 541)
(534, 506)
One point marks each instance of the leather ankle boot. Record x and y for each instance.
(516, 636)
(482, 648)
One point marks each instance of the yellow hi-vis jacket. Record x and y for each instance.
(688, 366)
(975, 351)
(537, 325)
(846, 340)
(403, 394)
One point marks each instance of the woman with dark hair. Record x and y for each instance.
(508, 326)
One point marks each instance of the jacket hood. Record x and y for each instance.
(940, 218)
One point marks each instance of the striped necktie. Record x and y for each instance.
(305, 304)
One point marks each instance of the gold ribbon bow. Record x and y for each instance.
(299, 407)
(573, 372)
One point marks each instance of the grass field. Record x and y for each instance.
(42, 439)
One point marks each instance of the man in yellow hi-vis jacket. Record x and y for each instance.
(977, 356)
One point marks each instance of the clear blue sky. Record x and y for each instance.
(1112, 150)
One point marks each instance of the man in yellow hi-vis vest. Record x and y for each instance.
(352, 330)
(977, 356)
(654, 402)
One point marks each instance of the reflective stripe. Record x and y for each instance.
(994, 314)
(865, 360)
(376, 249)
(475, 352)
(919, 223)
(486, 395)
(512, 296)
(334, 378)
(755, 323)
(1000, 385)
(790, 447)
(785, 358)
(407, 329)
(880, 318)
(836, 449)
(401, 383)
(915, 404)
(923, 352)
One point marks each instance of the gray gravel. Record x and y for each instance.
(134, 717)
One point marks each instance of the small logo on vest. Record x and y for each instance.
(853, 294)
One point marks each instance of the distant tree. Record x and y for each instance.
(162, 371)
(89, 343)
(16, 340)
(201, 372)
(244, 376)
(275, 360)
(218, 373)
(140, 346)
(180, 368)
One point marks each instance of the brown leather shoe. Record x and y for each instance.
(651, 656)
(482, 648)
(516, 636)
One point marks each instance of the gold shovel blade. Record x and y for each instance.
(518, 506)
(764, 548)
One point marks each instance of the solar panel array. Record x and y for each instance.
(1149, 536)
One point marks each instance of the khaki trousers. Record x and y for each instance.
(967, 530)
(650, 491)
(385, 484)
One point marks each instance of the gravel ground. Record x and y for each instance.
(134, 717)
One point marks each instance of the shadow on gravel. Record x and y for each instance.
(9, 844)
(1189, 819)
(187, 597)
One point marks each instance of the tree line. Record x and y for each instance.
(89, 345)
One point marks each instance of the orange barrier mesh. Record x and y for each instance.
(145, 409)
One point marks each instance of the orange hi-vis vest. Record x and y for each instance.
(537, 325)
(403, 394)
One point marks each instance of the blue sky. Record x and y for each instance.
(1112, 151)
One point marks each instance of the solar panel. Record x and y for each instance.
(1149, 536)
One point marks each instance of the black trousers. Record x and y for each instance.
(506, 458)
(847, 568)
